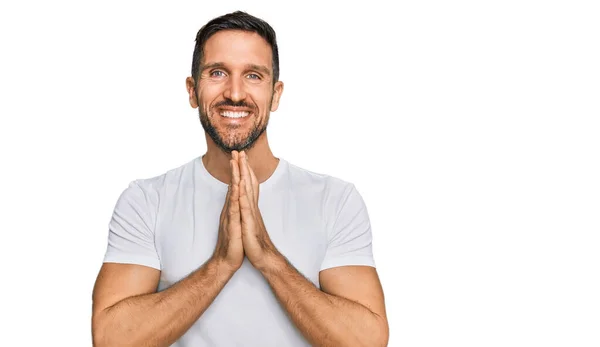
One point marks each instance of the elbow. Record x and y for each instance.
(377, 335)
(103, 338)
(102, 334)
(98, 339)
(382, 335)
(106, 332)
(98, 336)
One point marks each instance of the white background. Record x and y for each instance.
(470, 128)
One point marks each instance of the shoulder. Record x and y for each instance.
(334, 189)
(177, 176)
(150, 190)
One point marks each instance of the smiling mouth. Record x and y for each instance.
(231, 114)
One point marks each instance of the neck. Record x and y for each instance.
(261, 160)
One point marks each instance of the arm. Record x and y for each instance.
(128, 312)
(349, 311)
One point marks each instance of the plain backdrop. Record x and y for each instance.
(470, 128)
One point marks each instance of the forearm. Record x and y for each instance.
(159, 319)
(324, 319)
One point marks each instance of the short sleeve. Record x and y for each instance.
(131, 230)
(350, 238)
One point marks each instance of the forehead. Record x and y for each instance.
(237, 47)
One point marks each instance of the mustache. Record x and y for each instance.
(231, 103)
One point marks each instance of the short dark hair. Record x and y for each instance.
(237, 20)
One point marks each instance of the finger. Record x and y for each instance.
(235, 188)
(244, 204)
(245, 173)
(245, 211)
(235, 172)
(239, 174)
(234, 168)
(227, 195)
(255, 184)
(234, 202)
(252, 180)
(235, 155)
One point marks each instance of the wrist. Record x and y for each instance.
(222, 267)
(271, 262)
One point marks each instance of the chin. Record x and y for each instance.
(237, 145)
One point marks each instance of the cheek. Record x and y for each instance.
(206, 99)
(265, 98)
(207, 89)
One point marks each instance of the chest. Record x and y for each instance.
(187, 231)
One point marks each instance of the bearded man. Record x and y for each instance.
(238, 247)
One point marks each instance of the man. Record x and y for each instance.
(238, 247)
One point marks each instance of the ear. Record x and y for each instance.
(277, 91)
(190, 85)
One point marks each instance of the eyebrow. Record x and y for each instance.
(265, 70)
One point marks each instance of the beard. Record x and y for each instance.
(233, 141)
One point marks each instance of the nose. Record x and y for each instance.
(235, 89)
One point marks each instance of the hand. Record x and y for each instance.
(257, 244)
(230, 249)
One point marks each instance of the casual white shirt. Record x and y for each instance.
(170, 223)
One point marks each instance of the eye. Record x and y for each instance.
(253, 76)
(217, 73)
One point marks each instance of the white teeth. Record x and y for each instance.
(230, 114)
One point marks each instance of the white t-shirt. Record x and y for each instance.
(170, 223)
